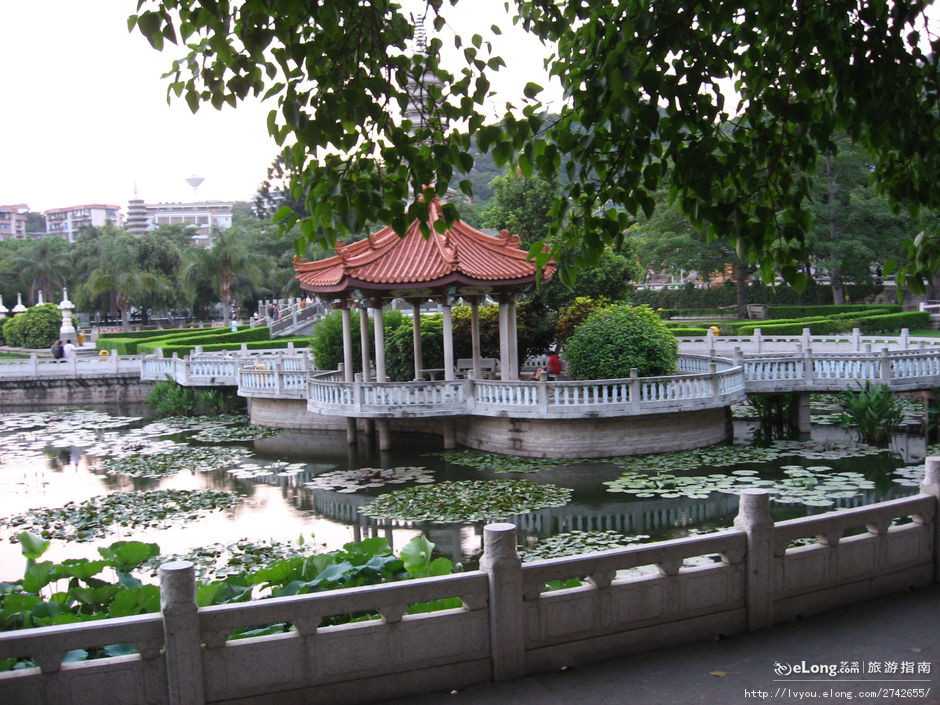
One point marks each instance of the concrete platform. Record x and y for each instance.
(739, 670)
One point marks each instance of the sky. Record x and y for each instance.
(84, 116)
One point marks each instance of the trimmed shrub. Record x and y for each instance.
(399, 348)
(37, 327)
(829, 310)
(213, 335)
(277, 343)
(821, 326)
(131, 346)
(894, 322)
(489, 331)
(689, 331)
(747, 327)
(327, 338)
(575, 313)
(617, 338)
(141, 334)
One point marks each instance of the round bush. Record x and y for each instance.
(617, 338)
(37, 327)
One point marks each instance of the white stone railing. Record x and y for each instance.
(529, 399)
(76, 367)
(293, 316)
(759, 343)
(509, 623)
(812, 371)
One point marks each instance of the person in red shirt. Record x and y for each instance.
(553, 363)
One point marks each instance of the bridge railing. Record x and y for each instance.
(505, 620)
(292, 316)
(35, 367)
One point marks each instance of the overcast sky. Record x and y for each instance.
(84, 114)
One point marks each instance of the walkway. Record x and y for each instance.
(898, 628)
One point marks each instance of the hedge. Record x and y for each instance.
(676, 331)
(747, 327)
(877, 323)
(217, 335)
(153, 333)
(184, 350)
(131, 346)
(894, 322)
(808, 311)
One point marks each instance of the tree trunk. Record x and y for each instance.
(226, 299)
(838, 287)
(740, 287)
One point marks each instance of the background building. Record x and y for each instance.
(66, 222)
(201, 216)
(13, 221)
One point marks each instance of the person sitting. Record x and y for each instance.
(553, 363)
(69, 350)
(57, 351)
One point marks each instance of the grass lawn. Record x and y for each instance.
(12, 356)
(926, 333)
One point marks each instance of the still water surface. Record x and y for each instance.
(49, 464)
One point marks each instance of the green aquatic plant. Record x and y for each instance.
(78, 590)
(97, 516)
(466, 500)
(176, 459)
(875, 413)
(496, 462)
(574, 543)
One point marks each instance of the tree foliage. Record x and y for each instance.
(644, 107)
(37, 327)
(615, 339)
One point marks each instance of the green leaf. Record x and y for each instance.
(531, 90)
(38, 575)
(125, 556)
(31, 546)
(416, 555)
(140, 600)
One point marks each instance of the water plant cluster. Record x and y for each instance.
(252, 470)
(573, 543)
(95, 517)
(496, 462)
(77, 590)
(218, 561)
(349, 481)
(234, 433)
(466, 500)
(169, 461)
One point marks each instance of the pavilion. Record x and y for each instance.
(462, 262)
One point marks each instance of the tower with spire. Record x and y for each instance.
(138, 220)
(417, 89)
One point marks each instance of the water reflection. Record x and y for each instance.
(279, 505)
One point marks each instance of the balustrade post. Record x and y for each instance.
(74, 364)
(183, 643)
(738, 356)
(541, 397)
(290, 348)
(905, 335)
(931, 486)
(710, 339)
(885, 366)
(278, 368)
(116, 361)
(197, 350)
(34, 364)
(243, 350)
(754, 520)
(714, 379)
(758, 340)
(501, 563)
(807, 367)
(806, 338)
(868, 348)
(635, 389)
(856, 340)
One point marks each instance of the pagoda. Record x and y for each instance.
(461, 262)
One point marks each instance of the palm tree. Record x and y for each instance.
(43, 266)
(228, 264)
(118, 276)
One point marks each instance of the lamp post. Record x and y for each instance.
(66, 330)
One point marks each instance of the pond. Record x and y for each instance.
(230, 495)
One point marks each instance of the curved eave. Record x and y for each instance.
(349, 284)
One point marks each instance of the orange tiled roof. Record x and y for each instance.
(383, 260)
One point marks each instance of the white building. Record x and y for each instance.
(202, 216)
(13, 221)
(66, 222)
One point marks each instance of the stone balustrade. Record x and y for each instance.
(76, 367)
(529, 399)
(510, 621)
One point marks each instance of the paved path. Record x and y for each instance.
(901, 628)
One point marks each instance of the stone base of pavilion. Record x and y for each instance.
(531, 438)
